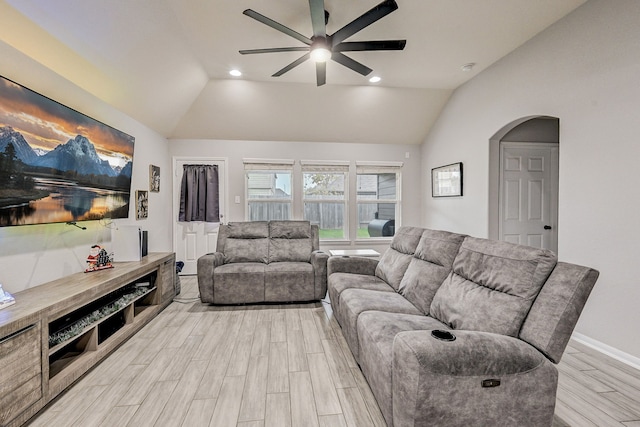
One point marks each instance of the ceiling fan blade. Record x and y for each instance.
(321, 73)
(370, 45)
(368, 18)
(351, 63)
(274, 50)
(317, 18)
(292, 65)
(276, 25)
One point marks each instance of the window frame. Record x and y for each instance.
(378, 168)
(329, 167)
(268, 166)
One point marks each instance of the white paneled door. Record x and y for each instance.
(529, 194)
(193, 239)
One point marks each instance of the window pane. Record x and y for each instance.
(376, 219)
(376, 186)
(265, 211)
(269, 185)
(323, 186)
(328, 216)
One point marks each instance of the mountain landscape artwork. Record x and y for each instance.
(59, 165)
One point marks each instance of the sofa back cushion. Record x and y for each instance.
(245, 242)
(556, 310)
(492, 286)
(396, 259)
(290, 241)
(431, 264)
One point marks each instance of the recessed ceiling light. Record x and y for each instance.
(468, 67)
(235, 73)
(374, 79)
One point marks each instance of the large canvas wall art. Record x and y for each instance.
(57, 164)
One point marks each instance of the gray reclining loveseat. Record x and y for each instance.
(451, 330)
(264, 261)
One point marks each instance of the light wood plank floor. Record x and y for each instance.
(281, 365)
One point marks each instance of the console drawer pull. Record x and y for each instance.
(16, 333)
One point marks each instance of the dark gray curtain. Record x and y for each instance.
(199, 195)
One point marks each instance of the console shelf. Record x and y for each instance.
(57, 331)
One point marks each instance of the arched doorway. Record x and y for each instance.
(523, 182)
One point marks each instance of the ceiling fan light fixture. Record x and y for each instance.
(320, 54)
(320, 51)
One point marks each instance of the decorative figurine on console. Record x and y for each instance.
(6, 299)
(98, 259)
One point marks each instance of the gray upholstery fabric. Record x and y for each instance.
(355, 265)
(406, 239)
(289, 281)
(431, 264)
(246, 250)
(236, 273)
(439, 247)
(396, 259)
(440, 383)
(376, 333)
(290, 229)
(289, 249)
(512, 309)
(356, 301)
(555, 312)
(341, 281)
(206, 265)
(319, 263)
(492, 286)
(239, 283)
(248, 230)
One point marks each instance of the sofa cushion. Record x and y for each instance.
(356, 301)
(246, 250)
(376, 332)
(431, 264)
(248, 230)
(283, 249)
(290, 229)
(492, 286)
(338, 282)
(238, 283)
(396, 259)
(289, 281)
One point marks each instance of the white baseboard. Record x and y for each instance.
(613, 352)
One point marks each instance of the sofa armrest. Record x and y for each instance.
(479, 377)
(206, 264)
(319, 262)
(354, 265)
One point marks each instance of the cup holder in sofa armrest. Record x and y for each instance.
(443, 335)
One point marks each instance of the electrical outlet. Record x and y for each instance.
(407, 155)
(237, 199)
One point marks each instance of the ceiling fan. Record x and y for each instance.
(321, 46)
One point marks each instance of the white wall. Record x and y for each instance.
(583, 70)
(35, 254)
(235, 151)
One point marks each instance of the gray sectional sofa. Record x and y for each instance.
(503, 315)
(264, 261)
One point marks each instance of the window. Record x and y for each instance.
(269, 189)
(378, 198)
(325, 188)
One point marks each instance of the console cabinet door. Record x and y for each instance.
(20, 371)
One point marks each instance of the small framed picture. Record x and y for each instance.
(142, 204)
(446, 181)
(154, 178)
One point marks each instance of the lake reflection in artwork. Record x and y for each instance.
(67, 201)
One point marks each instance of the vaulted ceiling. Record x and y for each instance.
(166, 62)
